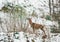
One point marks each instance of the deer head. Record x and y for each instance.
(30, 21)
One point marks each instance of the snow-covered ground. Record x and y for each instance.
(22, 37)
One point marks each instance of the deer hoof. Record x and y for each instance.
(45, 36)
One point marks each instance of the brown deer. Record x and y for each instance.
(37, 26)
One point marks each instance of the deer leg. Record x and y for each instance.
(43, 30)
(33, 30)
(44, 33)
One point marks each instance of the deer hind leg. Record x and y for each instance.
(44, 33)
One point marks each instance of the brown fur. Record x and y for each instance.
(36, 26)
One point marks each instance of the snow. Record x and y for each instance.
(36, 5)
(22, 37)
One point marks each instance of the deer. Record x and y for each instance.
(37, 26)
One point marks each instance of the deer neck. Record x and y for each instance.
(30, 21)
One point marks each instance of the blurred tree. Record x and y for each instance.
(56, 12)
(17, 12)
(50, 7)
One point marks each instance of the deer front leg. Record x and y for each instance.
(33, 30)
